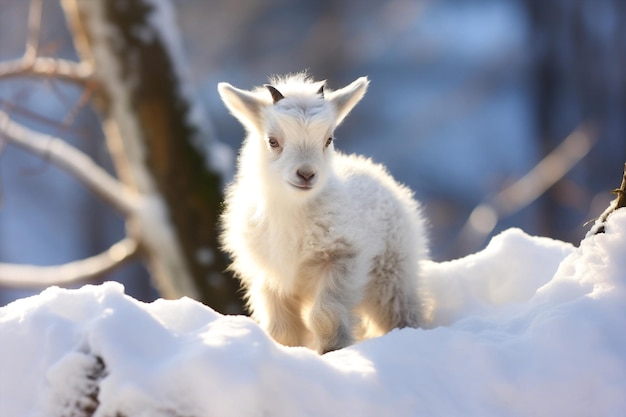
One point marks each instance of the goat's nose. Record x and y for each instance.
(305, 173)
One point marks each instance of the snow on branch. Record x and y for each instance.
(21, 276)
(71, 160)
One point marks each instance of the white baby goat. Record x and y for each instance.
(324, 243)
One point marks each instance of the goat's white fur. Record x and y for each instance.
(325, 257)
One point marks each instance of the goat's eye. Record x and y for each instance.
(329, 141)
(273, 142)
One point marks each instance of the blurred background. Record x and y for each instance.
(466, 98)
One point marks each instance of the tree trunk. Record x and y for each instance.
(155, 140)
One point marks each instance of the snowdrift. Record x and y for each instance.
(528, 327)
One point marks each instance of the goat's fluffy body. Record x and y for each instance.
(327, 245)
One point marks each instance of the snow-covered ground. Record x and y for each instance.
(528, 327)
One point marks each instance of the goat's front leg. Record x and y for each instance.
(331, 323)
(331, 317)
(280, 316)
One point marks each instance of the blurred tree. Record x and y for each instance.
(170, 184)
(580, 77)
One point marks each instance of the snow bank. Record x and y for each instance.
(527, 327)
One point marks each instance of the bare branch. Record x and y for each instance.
(531, 186)
(14, 108)
(620, 201)
(617, 203)
(73, 161)
(34, 27)
(80, 73)
(33, 65)
(20, 276)
(547, 172)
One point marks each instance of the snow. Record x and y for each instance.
(528, 326)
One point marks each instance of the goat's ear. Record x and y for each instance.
(244, 105)
(346, 98)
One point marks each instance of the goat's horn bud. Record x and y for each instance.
(276, 95)
(321, 91)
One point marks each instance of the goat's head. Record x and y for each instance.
(291, 124)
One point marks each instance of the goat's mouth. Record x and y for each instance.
(302, 187)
